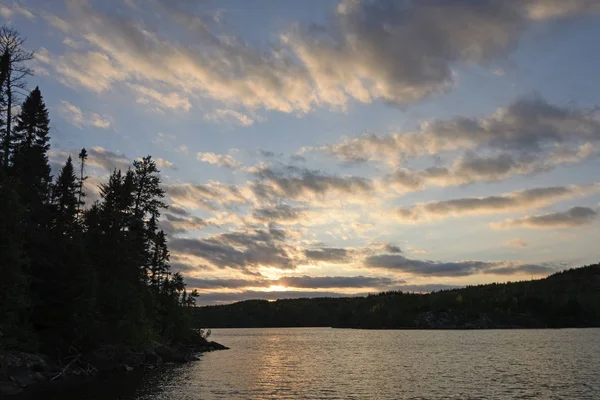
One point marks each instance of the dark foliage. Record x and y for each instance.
(567, 299)
(71, 276)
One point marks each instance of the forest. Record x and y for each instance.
(76, 275)
(570, 298)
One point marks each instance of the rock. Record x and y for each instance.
(169, 354)
(153, 358)
(217, 346)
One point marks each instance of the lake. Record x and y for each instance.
(324, 363)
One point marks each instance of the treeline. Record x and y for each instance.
(72, 276)
(566, 299)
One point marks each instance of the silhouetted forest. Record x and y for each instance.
(71, 275)
(566, 299)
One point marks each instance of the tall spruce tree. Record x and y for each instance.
(31, 145)
(64, 197)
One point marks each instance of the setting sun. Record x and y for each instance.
(275, 288)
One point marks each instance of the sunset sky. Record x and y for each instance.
(337, 147)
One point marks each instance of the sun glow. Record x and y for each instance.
(274, 288)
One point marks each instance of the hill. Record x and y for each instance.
(570, 298)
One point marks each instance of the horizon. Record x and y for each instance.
(340, 148)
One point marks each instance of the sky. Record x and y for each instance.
(329, 148)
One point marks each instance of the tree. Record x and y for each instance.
(14, 293)
(15, 73)
(30, 163)
(82, 178)
(65, 199)
(148, 194)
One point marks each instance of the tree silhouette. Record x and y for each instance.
(71, 276)
(14, 80)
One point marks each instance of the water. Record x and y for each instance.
(324, 363)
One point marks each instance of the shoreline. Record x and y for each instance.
(23, 371)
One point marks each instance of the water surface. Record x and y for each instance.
(324, 363)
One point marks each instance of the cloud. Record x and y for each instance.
(546, 9)
(220, 67)
(300, 282)
(106, 159)
(91, 70)
(173, 224)
(370, 50)
(305, 184)
(163, 138)
(515, 201)
(392, 262)
(210, 196)
(9, 11)
(160, 101)
(162, 163)
(532, 269)
(390, 248)
(401, 52)
(516, 243)
(528, 124)
(175, 209)
(280, 213)
(574, 217)
(222, 160)
(58, 23)
(328, 255)
(241, 250)
(472, 168)
(82, 119)
(230, 116)
(428, 268)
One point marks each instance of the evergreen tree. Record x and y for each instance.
(32, 143)
(14, 293)
(71, 276)
(65, 201)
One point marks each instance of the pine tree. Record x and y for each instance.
(31, 140)
(65, 199)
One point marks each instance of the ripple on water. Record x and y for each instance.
(323, 363)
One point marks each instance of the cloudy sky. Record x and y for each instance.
(327, 147)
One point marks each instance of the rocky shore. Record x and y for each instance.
(21, 370)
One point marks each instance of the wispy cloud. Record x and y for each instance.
(230, 116)
(81, 119)
(573, 217)
(9, 10)
(160, 101)
(222, 160)
(371, 50)
(510, 202)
